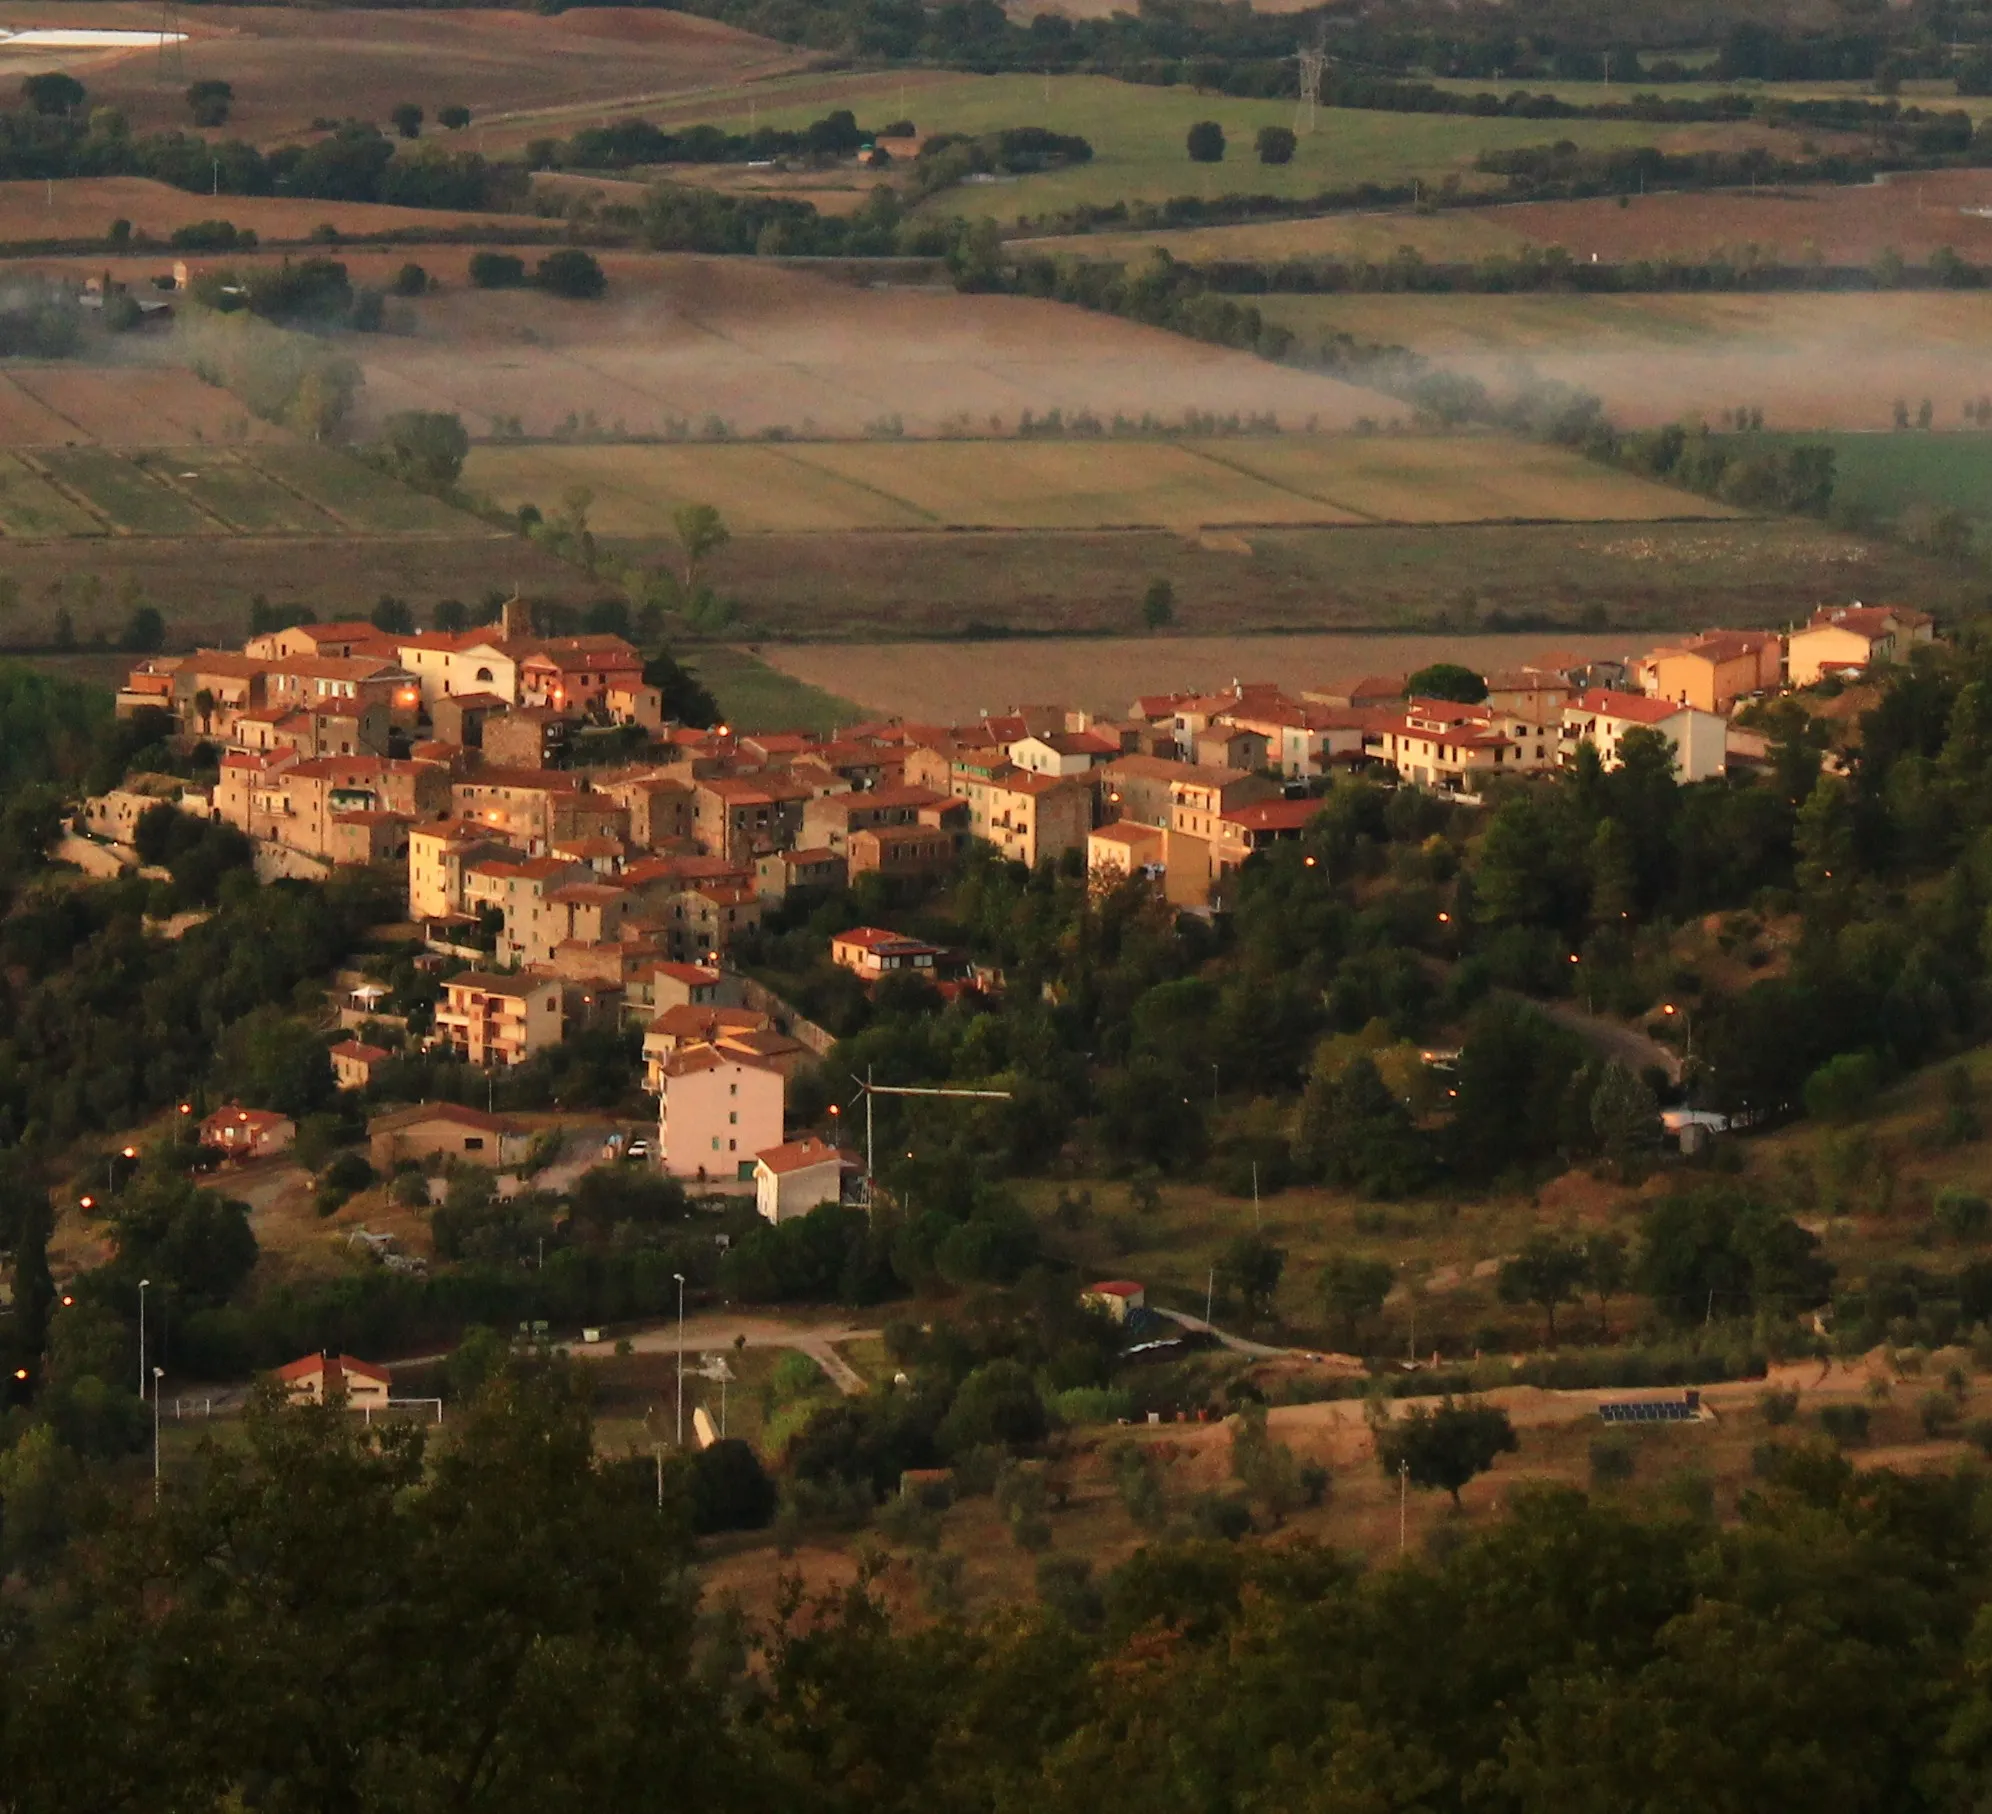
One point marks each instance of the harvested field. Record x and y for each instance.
(1082, 485)
(122, 406)
(1913, 214)
(1459, 479)
(84, 207)
(1808, 361)
(948, 683)
(1665, 577)
(683, 339)
(290, 66)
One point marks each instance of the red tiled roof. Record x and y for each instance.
(1635, 707)
(1114, 1288)
(798, 1155)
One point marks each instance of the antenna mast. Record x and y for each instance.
(172, 54)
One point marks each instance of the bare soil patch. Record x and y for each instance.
(291, 66)
(945, 683)
(683, 339)
(84, 208)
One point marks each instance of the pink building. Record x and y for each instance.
(715, 1112)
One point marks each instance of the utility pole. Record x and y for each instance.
(158, 1373)
(872, 1089)
(1210, 1291)
(1403, 1500)
(680, 1277)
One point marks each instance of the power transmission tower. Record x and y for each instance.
(172, 42)
(1313, 64)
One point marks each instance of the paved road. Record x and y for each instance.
(717, 1333)
(1236, 1343)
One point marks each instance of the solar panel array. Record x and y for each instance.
(1649, 1410)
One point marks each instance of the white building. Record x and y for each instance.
(1603, 720)
(793, 1179)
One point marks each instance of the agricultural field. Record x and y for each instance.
(84, 207)
(684, 340)
(291, 66)
(1889, 474)
(950, 683)
(888, 587)
(1807, 361)
(1913, 214)
(1186, 486)
(1137, 135)
(274, 489)
(64, 403)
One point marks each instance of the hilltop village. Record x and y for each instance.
(571, 857)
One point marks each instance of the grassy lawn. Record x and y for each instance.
(756, 697)
(1137, 137)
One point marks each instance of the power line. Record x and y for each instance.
(1313, 65)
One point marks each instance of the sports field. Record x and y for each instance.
(56, 492)
(1184, 486)
(1137, 134)
(1807, 361)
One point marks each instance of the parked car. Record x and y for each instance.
(637, 1149)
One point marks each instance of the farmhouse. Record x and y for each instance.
(1116, 1298)
(354, 1063)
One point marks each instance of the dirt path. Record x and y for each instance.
(1628, 1045)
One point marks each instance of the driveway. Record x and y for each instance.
(1236, 1343)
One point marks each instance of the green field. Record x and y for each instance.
(31, 507)
(1137, 135)
(358, 496)
(756, 697)
(1888, 474)
(1288, 481)
(230, 486)
(126, 491)
(181, 492)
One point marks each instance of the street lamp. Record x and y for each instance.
(142, 1283)
(158, 1373)
(680, 1277)
(1688, 1026)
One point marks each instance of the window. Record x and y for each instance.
(733, 1118)
(715, 1143)
(473, 1143)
